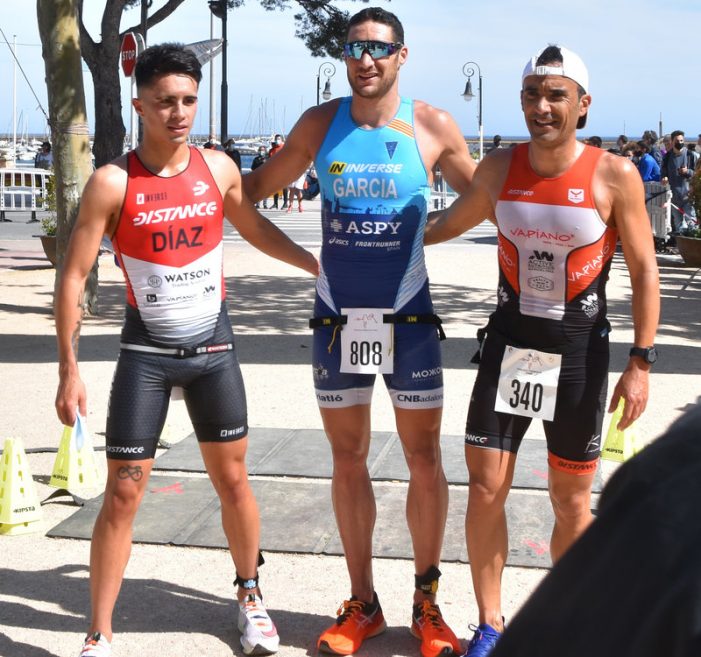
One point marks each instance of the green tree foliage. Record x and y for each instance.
(319, 24)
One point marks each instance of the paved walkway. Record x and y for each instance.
(177, 600)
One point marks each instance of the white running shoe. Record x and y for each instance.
(258, 633)
(96, 645)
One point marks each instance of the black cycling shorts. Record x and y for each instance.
(212, 387)
(574, 434)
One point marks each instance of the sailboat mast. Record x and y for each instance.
(14, 96)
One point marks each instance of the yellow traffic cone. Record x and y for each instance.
(75, 467)
(20, 511)
(620, 445)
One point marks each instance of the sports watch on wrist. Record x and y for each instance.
(648, 354)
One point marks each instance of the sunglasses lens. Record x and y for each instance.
(376, 49)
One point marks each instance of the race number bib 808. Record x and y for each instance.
(366, 342)
(528, 383)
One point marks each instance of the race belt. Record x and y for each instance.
(179, 352)
(387, 318)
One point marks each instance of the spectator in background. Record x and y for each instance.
(44, 158)
(666, 146)
(259, 160)
(649, 169)
(233, 152)
(294, 190)
(650, 138)
(621, 142)
(496, 143)
(677, 169)
(212, 145)
(594, 141)
(630, 150)
(277, 144)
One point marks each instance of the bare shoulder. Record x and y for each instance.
(495, 165)
(324, 112)
(225, 172)
(311, 127)
(432, 118)
(109, 181)
(616, 169)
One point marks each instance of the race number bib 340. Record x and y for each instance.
(528, 383)
(366, 342)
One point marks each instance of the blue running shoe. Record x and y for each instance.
(483, 641)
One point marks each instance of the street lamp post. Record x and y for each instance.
(329, 70)
(468, 95)
(220, 9)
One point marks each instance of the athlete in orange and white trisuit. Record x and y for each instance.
(163, 205)
(560, 207)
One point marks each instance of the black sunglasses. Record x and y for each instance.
(376, 49)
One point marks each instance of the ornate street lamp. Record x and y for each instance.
(329, 70)
(468, 95)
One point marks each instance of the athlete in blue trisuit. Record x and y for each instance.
(374, 154)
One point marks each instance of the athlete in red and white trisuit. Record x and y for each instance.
(169, 243)
(163, 206)
(559, 207)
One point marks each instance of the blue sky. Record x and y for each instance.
(641, 55)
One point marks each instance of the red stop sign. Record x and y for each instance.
(127, 53)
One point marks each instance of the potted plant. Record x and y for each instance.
(689, 241)
(49, 223)
(689, 245)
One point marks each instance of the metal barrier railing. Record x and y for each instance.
(658, 203)
(23, 190)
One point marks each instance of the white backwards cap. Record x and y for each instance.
(572, 67)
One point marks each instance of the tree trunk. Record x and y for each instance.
(109, 126)
(102, 58)
(60, 44)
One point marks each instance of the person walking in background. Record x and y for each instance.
(174, 334)
(277, 145)
(544, 353)
(295, 190)
(373, 152)
(678, 166)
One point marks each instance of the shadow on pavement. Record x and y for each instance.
(144, 605)
(270, 317)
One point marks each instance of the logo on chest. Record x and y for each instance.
(575, 195)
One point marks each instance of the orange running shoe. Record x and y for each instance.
(356, 622)
(437, 639)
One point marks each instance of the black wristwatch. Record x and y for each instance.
(648, 354)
